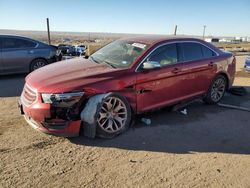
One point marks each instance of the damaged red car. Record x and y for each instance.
(129, 76)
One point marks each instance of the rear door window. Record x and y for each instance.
(207, 53)
(165, 55)
(191, 51)
(17, 43)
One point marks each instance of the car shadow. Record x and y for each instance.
(205, 128)
(12, 85)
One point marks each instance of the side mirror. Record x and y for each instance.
(151, 65)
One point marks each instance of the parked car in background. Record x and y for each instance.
(81, 50)
(128, 76)
(247, 64)
(67, 49)
(70, 50)
(21, 55)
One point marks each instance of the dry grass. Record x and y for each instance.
(94, 47)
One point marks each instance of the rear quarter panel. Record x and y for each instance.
(226, 65)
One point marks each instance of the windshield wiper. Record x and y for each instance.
(106, 62)
(110, 64)
(92, 58)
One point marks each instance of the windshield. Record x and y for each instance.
(119, 54)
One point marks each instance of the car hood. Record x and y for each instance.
(69, 75)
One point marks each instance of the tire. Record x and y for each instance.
(37, 63)
(111, 116)
(216, 90)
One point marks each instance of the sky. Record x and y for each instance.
(221, 17)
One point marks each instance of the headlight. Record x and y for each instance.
(64, 97)
(58, 52)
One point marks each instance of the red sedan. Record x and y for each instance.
(128, 76)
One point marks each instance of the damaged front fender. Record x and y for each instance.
(89, 114)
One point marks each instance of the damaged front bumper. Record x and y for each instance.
(64, 129)
(38, 115)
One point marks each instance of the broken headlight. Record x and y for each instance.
(70, 98)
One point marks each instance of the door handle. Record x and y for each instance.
(31, 51)
(176, 70)
(211, 64)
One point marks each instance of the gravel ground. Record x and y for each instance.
(209, 147)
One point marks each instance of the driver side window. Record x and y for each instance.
(165, 55)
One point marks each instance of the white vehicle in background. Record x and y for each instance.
(247, 64)
(81, 49)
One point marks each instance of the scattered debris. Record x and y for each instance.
(132, 161)
(218, 170)
(240, 91)
(146, 121)
(184, 111)
(234, 107)
(182, 105)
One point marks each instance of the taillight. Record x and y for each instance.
(234, 60)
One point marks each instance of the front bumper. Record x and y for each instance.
(37, 116)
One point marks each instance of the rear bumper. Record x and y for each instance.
(37, 116)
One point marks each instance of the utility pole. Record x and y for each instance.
(204, 31)
(175, 30)
(48, 30)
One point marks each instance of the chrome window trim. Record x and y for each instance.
(35, 45)
(25, 39)
(175, 42)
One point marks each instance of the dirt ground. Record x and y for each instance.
(209, 147)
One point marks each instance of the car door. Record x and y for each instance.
(198, 68)
(159, 87)
(17, 54)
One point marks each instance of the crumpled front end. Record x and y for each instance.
(48, 118)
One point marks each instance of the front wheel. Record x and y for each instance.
(106, 115)
(216, 90)
(114, 116)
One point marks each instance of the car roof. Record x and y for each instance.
(154, 39)
(18, 36)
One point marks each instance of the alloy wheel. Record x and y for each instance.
(38, 65)
(218, 89)
(113, 115)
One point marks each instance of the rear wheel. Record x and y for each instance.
(216, 90)
(37, 63)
